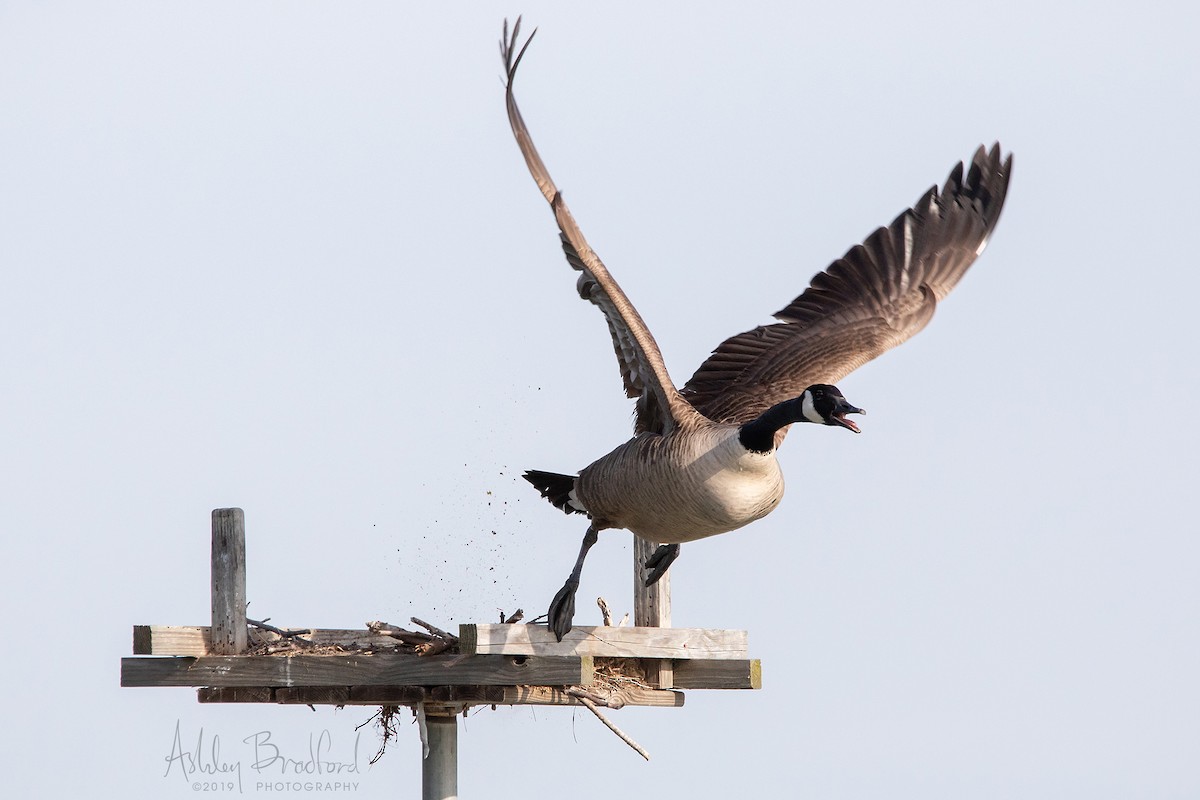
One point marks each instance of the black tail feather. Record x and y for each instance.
(556, 488)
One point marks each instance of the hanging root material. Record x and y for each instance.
(585, 697)
(387, 726)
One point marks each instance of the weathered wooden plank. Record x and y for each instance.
(464, 694)
(235, 694)
(350, 670)
(196, 640)
(719, 674)
(554, 696)
(410, 695)
(604, 642)
(447, 695)
(392, 695)
(228, 581)
(172, 640)
(313, 695)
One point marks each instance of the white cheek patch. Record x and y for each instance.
(810, 410)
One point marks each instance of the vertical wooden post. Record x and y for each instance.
(652, 604)
(228, 581)
(439, 769)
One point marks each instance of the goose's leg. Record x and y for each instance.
(562, 607)
(660, 562)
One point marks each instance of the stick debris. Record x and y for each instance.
(604, 612)
(425, 644)
(585, 697)
(438, 632)
(283, 634)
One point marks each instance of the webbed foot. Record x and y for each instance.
(562, 610)
(660, 562)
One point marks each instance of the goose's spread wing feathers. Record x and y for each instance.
(637, 379)
(660, 406)
(875, 297)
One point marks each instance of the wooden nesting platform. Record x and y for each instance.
(236, 660)
(495, 664)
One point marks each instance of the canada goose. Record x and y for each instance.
(702, 460)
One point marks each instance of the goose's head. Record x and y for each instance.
(820, 403)
(826, 405)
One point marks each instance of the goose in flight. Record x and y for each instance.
(702, 460)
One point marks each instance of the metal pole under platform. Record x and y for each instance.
(439, 769)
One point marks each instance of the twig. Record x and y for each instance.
(285, 634)
(614, 701)
(583, 697)
(604, 612)
(279, 631)
(580, 693)
(623, 621)
(450, 637)
(408, 637)
(434, 647)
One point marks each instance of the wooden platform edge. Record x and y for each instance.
(483, 639)
(380, 669)
(714, 674)
(604, 642)
(196, 640)
(413, 695)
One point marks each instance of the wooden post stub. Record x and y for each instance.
(228, 581)
(651, 604)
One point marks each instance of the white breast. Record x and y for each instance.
(681, 488)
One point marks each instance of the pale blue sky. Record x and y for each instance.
(287, 256)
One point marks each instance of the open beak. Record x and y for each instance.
(839, 416)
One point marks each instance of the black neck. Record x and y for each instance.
(759, 434)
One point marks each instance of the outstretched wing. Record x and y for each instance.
(660, 407)
(875, 297)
